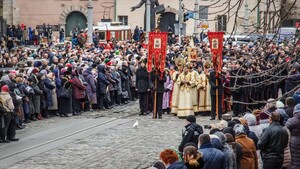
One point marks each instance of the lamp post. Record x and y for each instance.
(196, 18)
(179, 21)
(90, 22)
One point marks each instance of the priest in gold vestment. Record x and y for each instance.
(185, 102)
(203, 87)
(175, 91)
(194, 83)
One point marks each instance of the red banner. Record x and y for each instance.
(158, 48)
(216, 47)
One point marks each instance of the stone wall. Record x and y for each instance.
(8, 11)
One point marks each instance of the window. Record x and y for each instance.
(123, 19)
(203, 12)
(222, 23)
(102, 35)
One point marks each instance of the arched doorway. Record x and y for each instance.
(167, 20)
(75, 19)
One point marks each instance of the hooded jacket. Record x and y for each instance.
(91, 85)
(293, 124)
(177, 165)
(212, 157)
(191, 134)
(7, 101)
(102, 81)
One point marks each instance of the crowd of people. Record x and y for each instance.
(263, 139)
(82, 78)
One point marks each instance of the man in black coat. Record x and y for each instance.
(213, 92)
(236, 83)
(142, 87)
(272, 143)
(160, 78)
(191, 133)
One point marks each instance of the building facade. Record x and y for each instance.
(291, 13)
(217, 16)
(65, 13)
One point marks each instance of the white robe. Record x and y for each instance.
(185, 104)
(204, 101)
(175, 94)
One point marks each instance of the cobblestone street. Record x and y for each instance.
(118, 147)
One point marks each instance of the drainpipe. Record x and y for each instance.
(115, 10)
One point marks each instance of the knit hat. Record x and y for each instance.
(69, 65)
(251, 119)
(239, 129)
(229, 138)
(243, 121)
(44, 71)
(5, 88)
(229, 130)
(283, 116)
(279, 104)
(35, 70)
(221, 136)
(106, 60)
(297, 109)
(191, 118)
(109, 63)
(231, 124)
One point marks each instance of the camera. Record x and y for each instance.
(207, 127)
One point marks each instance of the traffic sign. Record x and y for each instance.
(203, 25)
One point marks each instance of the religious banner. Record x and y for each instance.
(216, 47)
(157, 50)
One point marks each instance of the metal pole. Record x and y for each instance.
(246, 16)
(148, 16)
(196, 18)
(115, 10)
(258, 15)
(90, 23)
(179, 21)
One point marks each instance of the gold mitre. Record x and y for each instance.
(179, 62)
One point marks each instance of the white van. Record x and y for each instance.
(235, 39)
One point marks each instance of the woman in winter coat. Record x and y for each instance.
(249, 159)
(124, 84)
(170, 160)
(168, 91)
(53, 95)
(78, 90)
(66, 102)
(7, 103)
(91, 84)
(293, 124)
(102, 84)
(118, 89)
(36, 98)
(192, 158)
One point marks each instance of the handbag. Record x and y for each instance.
(3, 110)
(65, 93)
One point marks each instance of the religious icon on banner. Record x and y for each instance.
(157, 43)
(215, 43)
